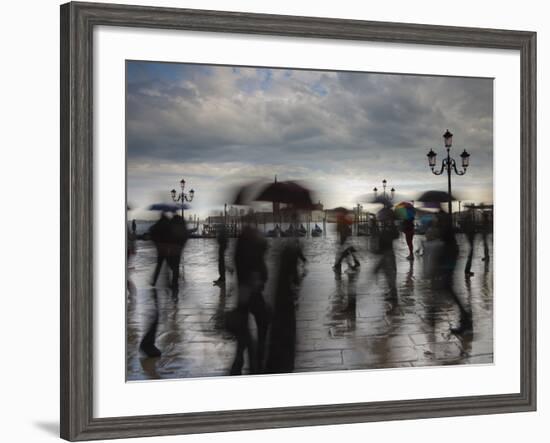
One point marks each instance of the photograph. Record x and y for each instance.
(283, 220)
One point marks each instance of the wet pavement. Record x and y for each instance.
(342, 322)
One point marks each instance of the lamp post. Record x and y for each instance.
(384, 184)
(449, 164)
(182, 196)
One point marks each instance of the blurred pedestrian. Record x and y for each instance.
(386, 235)
(485, 230)
(282, 338)
(344, 251)
(160, 236)
(445, 264)
(221, 236)
(177, 239)
(468, 228)
(251, 271)
(407, 226)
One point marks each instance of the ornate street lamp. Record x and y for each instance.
(384, 184)
(448, 164)
(182, 196)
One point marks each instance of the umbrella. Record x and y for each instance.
(340, 209)
(167, 207)
(435, 197)
(287, 192)
(246, 193)
(405, 211)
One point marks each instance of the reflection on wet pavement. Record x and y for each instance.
(342, 322)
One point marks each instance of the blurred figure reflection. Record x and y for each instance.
(147, 344)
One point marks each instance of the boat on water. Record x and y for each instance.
(316, 231)
(294, 231)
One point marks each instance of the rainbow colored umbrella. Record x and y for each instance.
(405, 211)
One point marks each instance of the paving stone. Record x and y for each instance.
(343, 323)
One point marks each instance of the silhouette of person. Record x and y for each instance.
(408, 229)
(251, 271)
(468, 227)
(130, 252)
(177, 238)
(386, 236)
(446, 265)
(485, 230)
(160, 236)
(221, 237)
(169, 237)
(134, 227)
(282, 343)
(343, 228)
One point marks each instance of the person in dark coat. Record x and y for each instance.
(386, 235)
(178, 238)
(468, 227)
(344, 251)
(251, 271)
(221, 236)
(160, 236)
(282, 343)
(445, 268)
(408, 229)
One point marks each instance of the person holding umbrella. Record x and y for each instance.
(444, 257)
(251, 271)
(344, 251)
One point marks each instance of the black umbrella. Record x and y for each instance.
(287, 192)
(435, 197)
(167, 207)
(247, 193)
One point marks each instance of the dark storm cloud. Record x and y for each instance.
(345, 125)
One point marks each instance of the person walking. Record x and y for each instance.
(344, 251)
(251, 271)
(445, 265)
(408, 229)
(387, 264)
(221, 236)
(160, 233)
(282, 340)
(177, 239)
(468, 228)
(485, 230)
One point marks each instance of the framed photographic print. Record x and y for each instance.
(272, 221)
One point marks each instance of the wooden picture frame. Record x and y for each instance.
(77, 23)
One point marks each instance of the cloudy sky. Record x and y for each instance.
(342, 132)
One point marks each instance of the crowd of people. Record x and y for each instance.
(271, 348)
